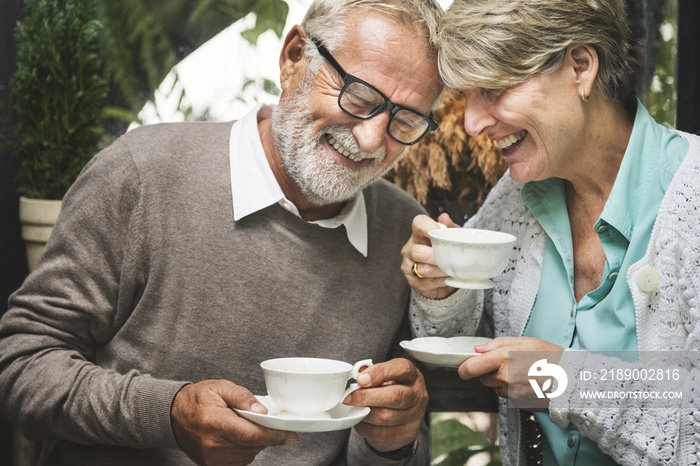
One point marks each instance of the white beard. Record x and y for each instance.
(321, 179)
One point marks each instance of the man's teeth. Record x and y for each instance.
(510, 141)
(342, 150)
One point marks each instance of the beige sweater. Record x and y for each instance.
(148, 283)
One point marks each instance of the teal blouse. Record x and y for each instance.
(604, 319)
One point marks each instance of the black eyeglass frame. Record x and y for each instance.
(387, 105)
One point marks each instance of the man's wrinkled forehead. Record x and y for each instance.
(376, 38)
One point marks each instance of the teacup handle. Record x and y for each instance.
(355, 373)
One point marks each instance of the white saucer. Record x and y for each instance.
(341, 417)
(445, 352)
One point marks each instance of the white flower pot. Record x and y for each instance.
(38, 217)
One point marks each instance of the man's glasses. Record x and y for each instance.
(362, 100)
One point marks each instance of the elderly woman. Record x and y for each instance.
(604, 203)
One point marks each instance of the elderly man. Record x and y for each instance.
(186, 254)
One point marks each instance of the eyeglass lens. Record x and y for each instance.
(362, 101)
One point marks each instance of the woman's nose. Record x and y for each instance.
(477, 113)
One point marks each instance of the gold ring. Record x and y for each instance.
(414, 270)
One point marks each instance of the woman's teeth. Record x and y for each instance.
(510, 141)
(342, 150)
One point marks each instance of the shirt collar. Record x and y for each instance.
(636, 170)
(254, 186)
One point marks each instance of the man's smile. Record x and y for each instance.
(341, 149)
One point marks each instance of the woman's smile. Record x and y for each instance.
(510, 141)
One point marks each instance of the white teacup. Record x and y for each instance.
(471, 257)
(308, 387)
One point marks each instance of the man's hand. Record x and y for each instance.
(211, 433)
(395, 391)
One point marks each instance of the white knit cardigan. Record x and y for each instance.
(668, 319)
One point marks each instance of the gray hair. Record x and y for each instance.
(326, 21)
(497, 44)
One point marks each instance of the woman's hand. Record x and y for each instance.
(492, 367)
(419, 267)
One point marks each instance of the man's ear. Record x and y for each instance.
(585, 65)
(292, 58)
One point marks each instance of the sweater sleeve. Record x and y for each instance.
(359, 454)
(635, 431)
(458, 314)
(75, 300)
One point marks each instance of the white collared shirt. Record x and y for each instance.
(254, 186)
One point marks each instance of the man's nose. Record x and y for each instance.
(371, 133)
(477, 114)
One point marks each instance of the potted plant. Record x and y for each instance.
(56, 99)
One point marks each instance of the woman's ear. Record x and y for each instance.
(292, 58)
(585, 65)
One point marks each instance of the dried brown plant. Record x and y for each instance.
(448, 164)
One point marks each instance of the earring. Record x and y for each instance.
(584, 96)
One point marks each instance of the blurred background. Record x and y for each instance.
(197, 60)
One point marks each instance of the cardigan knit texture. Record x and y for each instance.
(147, 283)
(668, 319)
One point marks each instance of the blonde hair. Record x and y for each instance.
(497, 44)
(326, 20)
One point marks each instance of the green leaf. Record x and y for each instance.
(453, 443)
(451, 435)
(269, 15)
(122, 114)
(270, 87)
